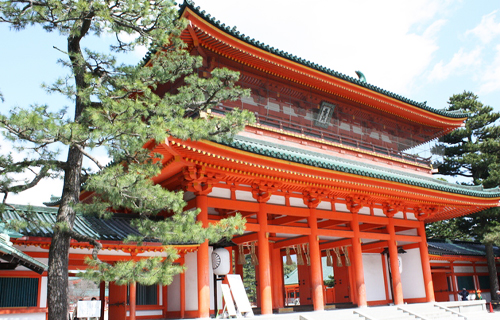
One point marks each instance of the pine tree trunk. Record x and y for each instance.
(492, 270)
(57, 285)
(59, 249)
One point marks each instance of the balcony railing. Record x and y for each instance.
(328, 136)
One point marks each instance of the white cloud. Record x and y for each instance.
(458, 64)
(487, 29)
(391, 42)
(491, 76)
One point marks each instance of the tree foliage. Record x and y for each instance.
(473, 152)
(116, 107)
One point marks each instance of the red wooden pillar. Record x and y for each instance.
(262, 191)
(102, 297)
(426, 265)
(357, 262)
(117, 301)
(397, 287)
(132, 300)
(266, 299)
(277, 278)
(315, 256)
(454, 284)
(203, 263)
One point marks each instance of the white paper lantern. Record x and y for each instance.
(221, 262)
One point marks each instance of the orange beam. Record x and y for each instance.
(335, 233)
(375, 245)
(288, 230)
(249, 237)
(284, 220)
(329, 223)
(335, 244)
(255, 227)
(291, 242)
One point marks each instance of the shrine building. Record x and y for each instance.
(326, 171)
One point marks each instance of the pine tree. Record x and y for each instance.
(473, 152)
(116, 107)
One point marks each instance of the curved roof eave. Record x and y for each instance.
(362, 169)
(187, 4)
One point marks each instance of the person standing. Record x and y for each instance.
(464, 294)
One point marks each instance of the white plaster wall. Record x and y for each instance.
(173, 295)
(190, 261)
(280, 200)
(43, 292)
(410, 232)
(482, 269)
(244, 196)
(378, 212)
(412, 277)
(460, 269)
(220, 193)
(365, 211)
(297, 202)
(374, 276)
(341, 207)
(148, 312)
(324, 205)
(23, 316)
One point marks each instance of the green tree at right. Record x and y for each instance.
(472, 153)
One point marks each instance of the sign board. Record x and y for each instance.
(88, 309)
(228, 300)
(239, 293)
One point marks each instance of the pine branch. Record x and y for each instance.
(82, 238)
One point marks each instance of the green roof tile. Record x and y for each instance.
(461, 248)
(11, 254)
(321, 160)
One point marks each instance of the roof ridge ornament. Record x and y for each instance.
(361, 76)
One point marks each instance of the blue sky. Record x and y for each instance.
(424, 50)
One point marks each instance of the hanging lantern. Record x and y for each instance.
(221, 263)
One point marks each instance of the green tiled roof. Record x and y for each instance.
(116, 228)
(320, 160)
(232, 31)
(461, 248)
(13, 255)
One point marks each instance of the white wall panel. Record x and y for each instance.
(412, 277)
(374, 276)
(191, 263)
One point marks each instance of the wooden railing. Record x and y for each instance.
(329, 136)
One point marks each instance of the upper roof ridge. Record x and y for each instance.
(233, 32)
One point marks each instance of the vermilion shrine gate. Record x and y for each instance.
(324, 169)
